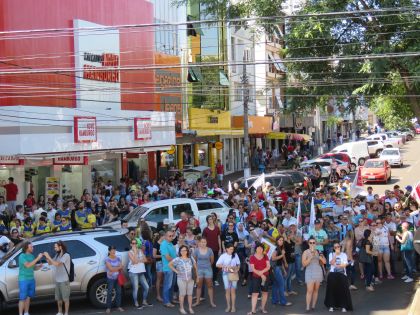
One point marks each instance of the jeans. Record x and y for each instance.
(299, 271)
(149, 276)
(215, 269)
(168, 285)
(368, 270)
(351, 273)
(113, 284)
(135, 279)
(408, 262)
(290, 272)
(278, 287)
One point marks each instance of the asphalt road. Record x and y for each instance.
(409, 174)
(391, 297)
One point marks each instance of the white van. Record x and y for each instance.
(358, 151)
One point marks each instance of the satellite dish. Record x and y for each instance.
(417, 241)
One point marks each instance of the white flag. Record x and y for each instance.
(259, 182)
(312, 217)
(299, 214)
(230, 187)
(356, 187)
(246, 183)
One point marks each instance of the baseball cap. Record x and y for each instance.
(409, 188)
(346, 178)
(317, 221)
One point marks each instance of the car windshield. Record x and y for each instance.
(389, 152)
(374, 164)
(11, 252)
(135, 214)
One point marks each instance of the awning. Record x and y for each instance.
(277, 63)
(194, 75)
(219, 132)
(287, 135)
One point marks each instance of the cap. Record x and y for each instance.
(317, 221)
(346, 178)
(409, 188)
(14, 230)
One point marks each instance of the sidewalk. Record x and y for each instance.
(415, 304)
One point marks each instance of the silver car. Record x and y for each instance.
(88, 250)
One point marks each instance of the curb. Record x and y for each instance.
(415, 304)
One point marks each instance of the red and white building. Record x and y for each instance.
(68, 113)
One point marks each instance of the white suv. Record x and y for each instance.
(88, 250)
(375, 147)
(393, 156)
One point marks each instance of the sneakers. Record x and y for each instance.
(343, 310)
(370, 288)
(147, 304)
(404, 278)
(353, 287)
(408, 280)
(331, 309)
(59, 314)
(216, 283)
(390, 277)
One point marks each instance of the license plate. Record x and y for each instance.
(371, 177)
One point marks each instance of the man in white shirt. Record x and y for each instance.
(370, 196)
(391, 199)
(289, 220)
(152, 188)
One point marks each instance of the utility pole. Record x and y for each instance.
(247, 170)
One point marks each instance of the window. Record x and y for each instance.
(182, 207)
(41, 248)
(121, 242)
(78, 249)
(238, 96)
(372, 143)
(158, 215)
(203, 206)
(215, 205)
(233, 53)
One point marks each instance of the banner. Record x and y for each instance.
(259, 182)
(71, 160)
(313, 214)
(416, 192)
(10, 160)
(142, 128)
(85, 129)
(299, 214)
(356, 187)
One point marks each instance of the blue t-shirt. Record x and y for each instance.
(167, 248)
(114, 263)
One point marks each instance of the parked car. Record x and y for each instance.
(169, 210)
(342, 168)
(398, 135)
(409, 133)
(325, 174)
(276, 180)
(357, 150)
(417, 128)
(393, 156)
(88, 250)
(376, 170)
(299, 178)
(375, 147)
(388, 142)
(342, 156)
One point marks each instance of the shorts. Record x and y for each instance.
(159, 266)
(220, 177)
(62, 291)
(205, 273)
(384, 249)
(257, 286)
(26, 289)
(228, 284)
(185, 287)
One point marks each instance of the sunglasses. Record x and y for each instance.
(312, 243)
(134, 243)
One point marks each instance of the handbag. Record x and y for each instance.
(233, 276)
(122, 280)
(364, 257)
(408, 245)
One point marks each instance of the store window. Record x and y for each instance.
(167, 160)
(188, 158)
(103, 171)
(228, 155)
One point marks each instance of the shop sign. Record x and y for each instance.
(52, 187)
(71, 160)
(85, 129)
(171, 150)
(10, 160)
(218, 145)
(142, 128)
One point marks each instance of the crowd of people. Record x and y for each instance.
(264, 245)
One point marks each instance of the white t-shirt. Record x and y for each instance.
(287, 222)
(3, 240)
(137, 268)
(414, 217)
(340, 259)
(226, 260)
(380, 236)
(152, 189)
(3, 208)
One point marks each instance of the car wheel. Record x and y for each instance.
(409, 137)
(378, 152)
(362, 161)
(2, 304)
(98, 293)
(353, 167)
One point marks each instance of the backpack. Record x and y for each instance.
(71, 273)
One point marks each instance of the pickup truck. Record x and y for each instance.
(388, 142)
(168, 211)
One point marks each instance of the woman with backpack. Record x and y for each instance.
(63, 274)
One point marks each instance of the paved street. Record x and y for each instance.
(391, 297)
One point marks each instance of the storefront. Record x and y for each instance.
(81, 152)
